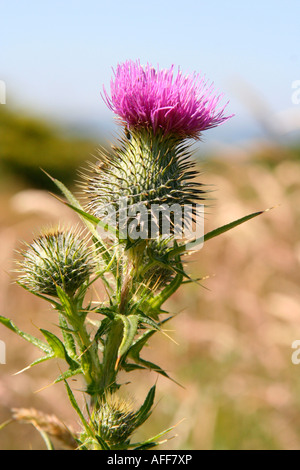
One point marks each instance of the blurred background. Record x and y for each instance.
(231, 346)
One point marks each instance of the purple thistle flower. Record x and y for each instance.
(143, 97)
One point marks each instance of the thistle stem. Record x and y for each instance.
(110, 357)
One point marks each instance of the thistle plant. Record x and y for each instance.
(130, 196)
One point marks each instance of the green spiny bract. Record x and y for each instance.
(56, 258)
(143, 172)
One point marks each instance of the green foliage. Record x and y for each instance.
(27, 141)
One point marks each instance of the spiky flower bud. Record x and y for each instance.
(56, 258)
(145, 174)
(115, 420)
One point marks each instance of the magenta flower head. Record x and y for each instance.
(143, 97)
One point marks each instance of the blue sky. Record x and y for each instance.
(56, 55)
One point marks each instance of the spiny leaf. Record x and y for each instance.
(148, 321)
(130, 325)
(58, 348)
(152, 441)
(140, 343)
(109, 312)
(103, 328)
(65, 191)
(94, 220)
(34, 363)
(77, 409)
(214, 233)
(134, 353)
(129, 367)
(55, 344)
(145, 409)
(154, 367)
(69, 373)
(35, 341)
(147, 445)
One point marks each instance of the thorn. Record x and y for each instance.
(58, 198)
(117, 362)
(47, 174)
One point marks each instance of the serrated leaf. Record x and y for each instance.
(31, 339)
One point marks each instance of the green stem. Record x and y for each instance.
(110, 357)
